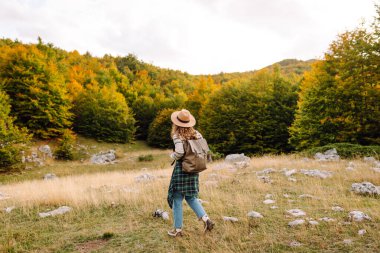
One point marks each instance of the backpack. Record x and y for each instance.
(196, 155)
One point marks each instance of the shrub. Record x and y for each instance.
(347, 150)
(145, 158)
(65, 150)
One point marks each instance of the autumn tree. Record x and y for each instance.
(36, 90)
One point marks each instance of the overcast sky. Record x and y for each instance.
(197, 36)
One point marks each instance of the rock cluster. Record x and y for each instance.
(108, 157)
(329, 155)
(358, 216)
(365, 188)
(317, 173)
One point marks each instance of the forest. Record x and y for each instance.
(48, 93)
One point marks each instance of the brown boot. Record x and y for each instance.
(209, 225)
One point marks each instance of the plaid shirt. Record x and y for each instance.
(187, 184)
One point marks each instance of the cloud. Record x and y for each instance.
(197, 36)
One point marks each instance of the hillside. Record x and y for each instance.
(287, 67)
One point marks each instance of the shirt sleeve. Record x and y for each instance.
(178, 148)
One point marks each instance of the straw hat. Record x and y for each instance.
(183, 118)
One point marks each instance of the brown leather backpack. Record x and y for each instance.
(196, 155)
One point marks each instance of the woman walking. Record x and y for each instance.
(184, 185)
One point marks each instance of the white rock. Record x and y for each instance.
(358, 216)
(329, 155)
(289, 173)
(237, 158)
(232, 219)
(286, 195)
(376, 169)
(268, 196)
(296, 222)
(9, 209)
(295, 244)
(60, 210)
(104, 157)
(146, 177)
(254, 214)
(313, 222)
(347, 241)
(362, 232)
(161, 213)
(165, 215)
(273, 207)
(365, 188)
(337, 209)
(269, 201)
(296, 212)
(317, 173)
(46, 150)
(265, 171)
(327, 219)
(292, 179)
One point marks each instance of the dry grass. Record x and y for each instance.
(119, 203)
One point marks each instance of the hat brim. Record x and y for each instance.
(176, 121)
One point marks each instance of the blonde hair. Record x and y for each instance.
(184, 133)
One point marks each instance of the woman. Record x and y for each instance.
(184, 185)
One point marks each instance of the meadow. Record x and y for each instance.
(112, 210)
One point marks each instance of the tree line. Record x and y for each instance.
(48, 93)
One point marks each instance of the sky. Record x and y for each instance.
(196, 36)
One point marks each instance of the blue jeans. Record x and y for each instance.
(177, 208)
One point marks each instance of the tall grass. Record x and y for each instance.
(115, 202)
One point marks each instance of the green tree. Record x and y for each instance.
(12, 138)
(250, 116)
(103, 113)
(159, 130)
(339, 98)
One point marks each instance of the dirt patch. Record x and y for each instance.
(90, 246)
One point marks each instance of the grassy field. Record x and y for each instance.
(112, 212)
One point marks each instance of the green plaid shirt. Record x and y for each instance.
(187, 184)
